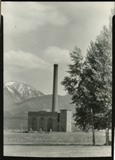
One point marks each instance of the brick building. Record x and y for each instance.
(58, 122)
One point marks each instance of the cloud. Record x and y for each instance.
(29, 16)
(23, 60)
(18, 61)
(57, 55)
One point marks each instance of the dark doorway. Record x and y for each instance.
(34, 124)
(50, 124)
(42, 123)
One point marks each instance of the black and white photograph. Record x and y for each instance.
(57, 78)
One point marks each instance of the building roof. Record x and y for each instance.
(41, 112)
(65, 110)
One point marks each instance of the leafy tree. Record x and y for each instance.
(90, 83)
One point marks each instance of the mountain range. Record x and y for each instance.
(20, 98)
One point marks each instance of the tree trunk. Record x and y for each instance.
(93, 139)
(107, 136)
(93, 131)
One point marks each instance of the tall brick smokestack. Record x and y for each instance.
(55, 89)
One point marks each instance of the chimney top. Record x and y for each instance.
(55, 64)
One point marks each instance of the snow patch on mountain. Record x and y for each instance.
(20, 92)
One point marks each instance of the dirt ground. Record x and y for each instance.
(56, 151)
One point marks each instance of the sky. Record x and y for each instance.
(39, 34)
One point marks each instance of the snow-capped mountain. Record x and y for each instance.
(20, 98)
(20, 92)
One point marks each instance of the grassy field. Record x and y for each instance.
(76, 138)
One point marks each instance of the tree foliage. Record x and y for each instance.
(90, 82)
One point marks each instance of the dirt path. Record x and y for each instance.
(57, 151)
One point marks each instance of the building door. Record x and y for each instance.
(50, 124)
(34, 124)
(42, 123)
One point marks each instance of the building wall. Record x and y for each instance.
(68, 124)
(63, 116)
(65, 121)
(45, 116)
(61, 121)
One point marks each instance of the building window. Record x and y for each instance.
(50, 124)
(42, 123)
(58, 119)
(34, 124)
